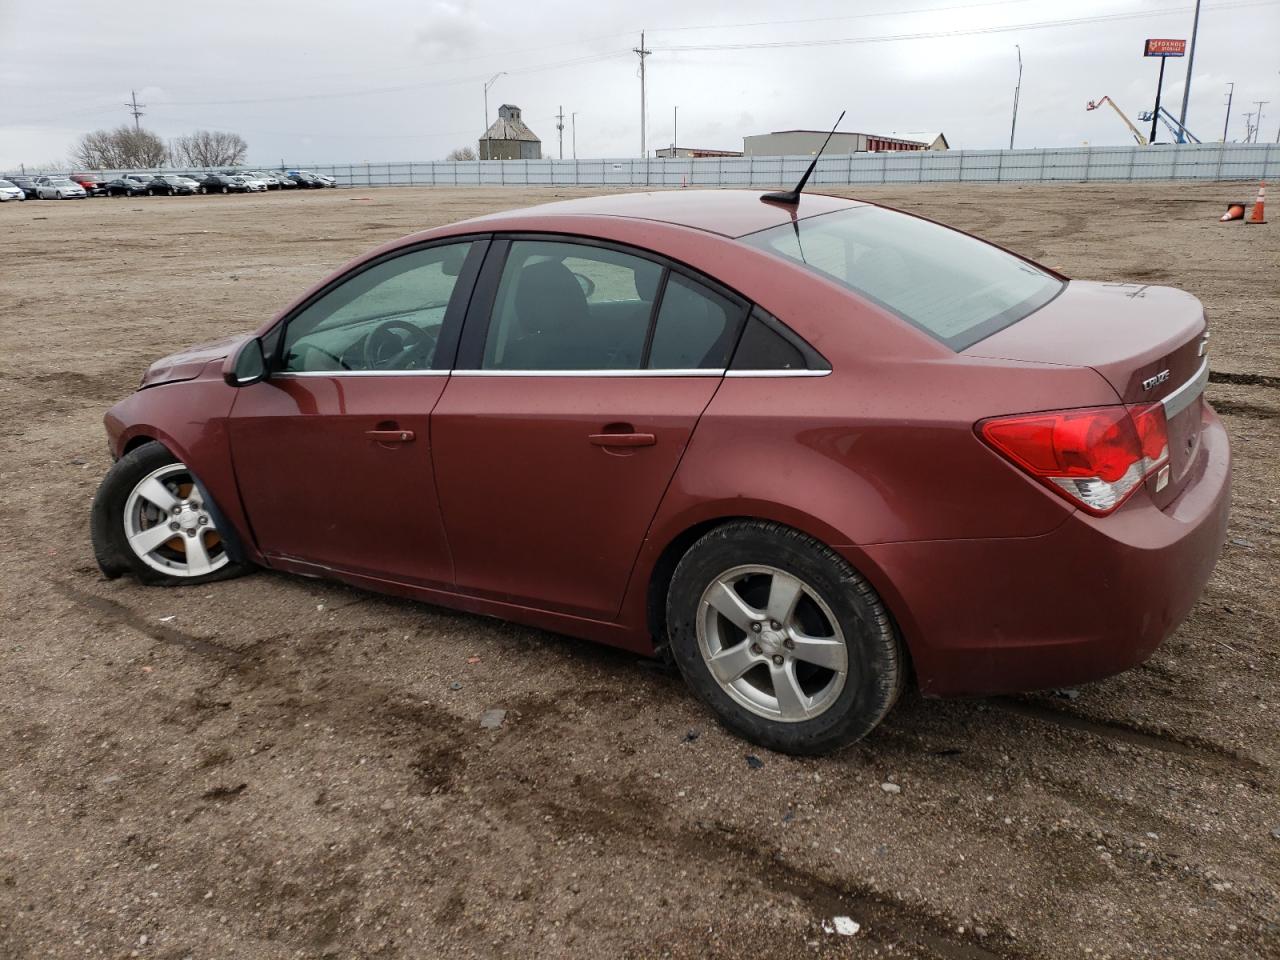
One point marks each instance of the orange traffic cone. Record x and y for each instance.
(1258, 214)
(1235, 211)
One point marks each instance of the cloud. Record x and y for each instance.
(448, 28)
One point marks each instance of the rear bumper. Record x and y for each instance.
(1092, 598)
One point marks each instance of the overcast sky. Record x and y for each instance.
(322, 80)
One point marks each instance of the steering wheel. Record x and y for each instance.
(395, 344)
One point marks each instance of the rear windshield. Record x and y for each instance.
(952, 286)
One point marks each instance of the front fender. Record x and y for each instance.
(190, 419)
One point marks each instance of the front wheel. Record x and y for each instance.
(225, 190)
(787, 643)
(150, 519)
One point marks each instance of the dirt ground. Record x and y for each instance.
(275, 767)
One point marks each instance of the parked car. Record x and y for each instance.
(171, 185)
(58, 188)
(91, 182)
(26, 184)
(222, 183)
(809, 449)
(124, 187)
(143, 179)
(267, 180)
(281, 180)
(304, 179)
(11, 191)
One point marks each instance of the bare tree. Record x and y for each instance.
(461, 153)
(119, 148)
(209, 148)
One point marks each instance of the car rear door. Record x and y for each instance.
(583, 371)
(333, 451)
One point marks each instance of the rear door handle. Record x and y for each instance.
(390, 436)
(623, 439)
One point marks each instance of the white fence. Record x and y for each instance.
(1232, 161)
(1210, 161)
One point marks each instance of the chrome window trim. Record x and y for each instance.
(360, 373)
(1186, 394)
(778, 373)
(695, 372)
(591, 373)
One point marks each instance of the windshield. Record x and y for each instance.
(954, 287)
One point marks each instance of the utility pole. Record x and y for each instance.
(1231, 91)
(486, 148)
(1248, 127)
(1186, 89)
(573, 124)
(643, 52)
(1017, 92)
(560, 130)
(1257, 127)
(675, 129)
(134, 105)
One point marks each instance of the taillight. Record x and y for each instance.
(1094, 457)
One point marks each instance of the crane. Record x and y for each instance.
(1095, 104)
(1180, 133)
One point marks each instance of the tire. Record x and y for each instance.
(57, 195)
(121, 506)
(225, 190)
(203, 191)
(835, 607)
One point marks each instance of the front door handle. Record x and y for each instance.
(390, 436)
(622, 439)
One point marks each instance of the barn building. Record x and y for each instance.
(796, 143)
(509, 139)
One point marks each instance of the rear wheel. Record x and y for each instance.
(785, 641)
(204, 190)
(150, 519)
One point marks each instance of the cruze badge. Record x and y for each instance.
(1155, 381)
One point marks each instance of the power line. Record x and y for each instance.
(851, 16)
(964, 32)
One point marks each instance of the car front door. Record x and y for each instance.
(333, 451)
(581, 377)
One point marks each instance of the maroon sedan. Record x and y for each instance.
(806, 450)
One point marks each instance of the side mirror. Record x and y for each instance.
(246, 366)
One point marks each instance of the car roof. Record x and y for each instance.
(731, 213)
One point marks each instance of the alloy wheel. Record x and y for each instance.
(772, 643)
(168, 527)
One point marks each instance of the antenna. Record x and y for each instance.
(793, 196)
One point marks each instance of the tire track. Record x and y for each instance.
(156, 631)
(1181, 745)
(885, 919)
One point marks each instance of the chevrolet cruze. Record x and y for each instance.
(809, 451)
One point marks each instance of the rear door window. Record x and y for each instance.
(569, 306)
(696, 327)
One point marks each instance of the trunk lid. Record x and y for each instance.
(1149, 343)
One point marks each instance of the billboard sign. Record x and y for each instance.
(1165, 48)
